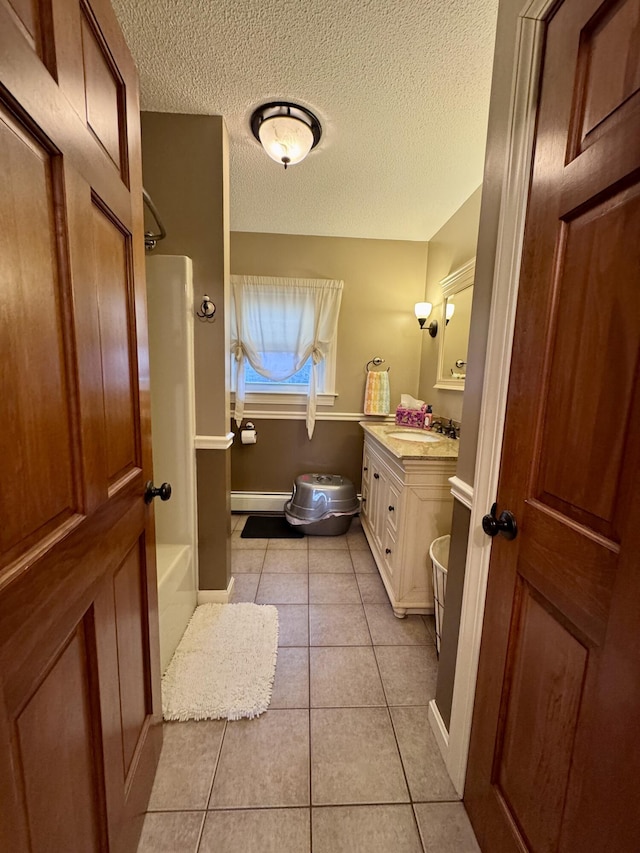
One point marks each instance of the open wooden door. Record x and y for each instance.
(554, 762)
(79, 670)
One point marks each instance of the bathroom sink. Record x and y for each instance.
(424, 437)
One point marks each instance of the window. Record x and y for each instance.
(283, 340)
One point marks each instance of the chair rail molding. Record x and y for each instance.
(214, 442)
(462, 491)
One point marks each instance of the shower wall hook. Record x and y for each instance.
(207, 309)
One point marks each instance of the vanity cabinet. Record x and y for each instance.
(406, 504)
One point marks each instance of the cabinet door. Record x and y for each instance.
(393, 504)
(381, 490)
(366, 488)
(390, 554)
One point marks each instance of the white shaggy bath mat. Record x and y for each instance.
(224, 665)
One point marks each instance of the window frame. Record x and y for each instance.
(274, 393)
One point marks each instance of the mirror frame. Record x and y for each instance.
(456, 282)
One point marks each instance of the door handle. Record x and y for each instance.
(150, 492)
(505, 524)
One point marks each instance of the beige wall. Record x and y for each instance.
(485, 260)
(382, 281)
(184, 161)
(283, 451)
(451, 247)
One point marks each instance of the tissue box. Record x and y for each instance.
(411, 417)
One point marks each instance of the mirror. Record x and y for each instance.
(453, 327)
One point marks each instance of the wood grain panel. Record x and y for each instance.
(131, 619)
(33, 18)
(26, 12)
(112, 258)
(581, 473)
(579, 579)
(38, 467)
(610, 69)
(546, 673)
(103, 92)
(57, 746)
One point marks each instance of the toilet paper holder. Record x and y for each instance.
(248, 434)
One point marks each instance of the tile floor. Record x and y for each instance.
(344, 759)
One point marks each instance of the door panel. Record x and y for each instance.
(79, 661)
(40, 428)
(58, 737)
(117, 334)
(533, 752)
(130, 613)
(103, 91)
(556, 625)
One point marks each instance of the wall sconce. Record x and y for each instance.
(207, 309)
(449, 311)
(422, 312)
(287, 132)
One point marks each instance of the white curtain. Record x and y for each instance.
(297, 317)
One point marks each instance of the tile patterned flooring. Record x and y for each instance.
(344, 759)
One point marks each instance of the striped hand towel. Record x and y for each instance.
(376, 394)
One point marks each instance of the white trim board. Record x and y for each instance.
(439, 729)
(214, 442)
(216, 596)
(275, 415)
(462, 491)
(513, 206)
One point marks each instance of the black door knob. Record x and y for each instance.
(505, 524)
(150, 492)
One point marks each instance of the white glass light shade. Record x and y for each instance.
(423, 309)
(285, 139)
(450, 309)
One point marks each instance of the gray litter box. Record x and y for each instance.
(322, 504)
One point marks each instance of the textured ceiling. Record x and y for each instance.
(401, 88)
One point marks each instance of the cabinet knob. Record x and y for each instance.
(364, 500)
(391, 508)
(365, 468)
(376, 476)
(387, 550)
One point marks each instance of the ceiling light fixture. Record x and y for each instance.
(287, 132)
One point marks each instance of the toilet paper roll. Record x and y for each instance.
(248, 436)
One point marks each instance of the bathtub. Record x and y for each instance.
(176, 596)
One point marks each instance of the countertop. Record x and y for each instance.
(443, 448)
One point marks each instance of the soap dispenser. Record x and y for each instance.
(428, 417)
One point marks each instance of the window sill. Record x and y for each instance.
(284, 399)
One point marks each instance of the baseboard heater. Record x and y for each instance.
(260, 501)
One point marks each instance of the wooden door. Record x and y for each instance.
(79, 670)
(554, 762)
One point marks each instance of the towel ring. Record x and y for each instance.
(377, 361)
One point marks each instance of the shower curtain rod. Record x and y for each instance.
(151, 239)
